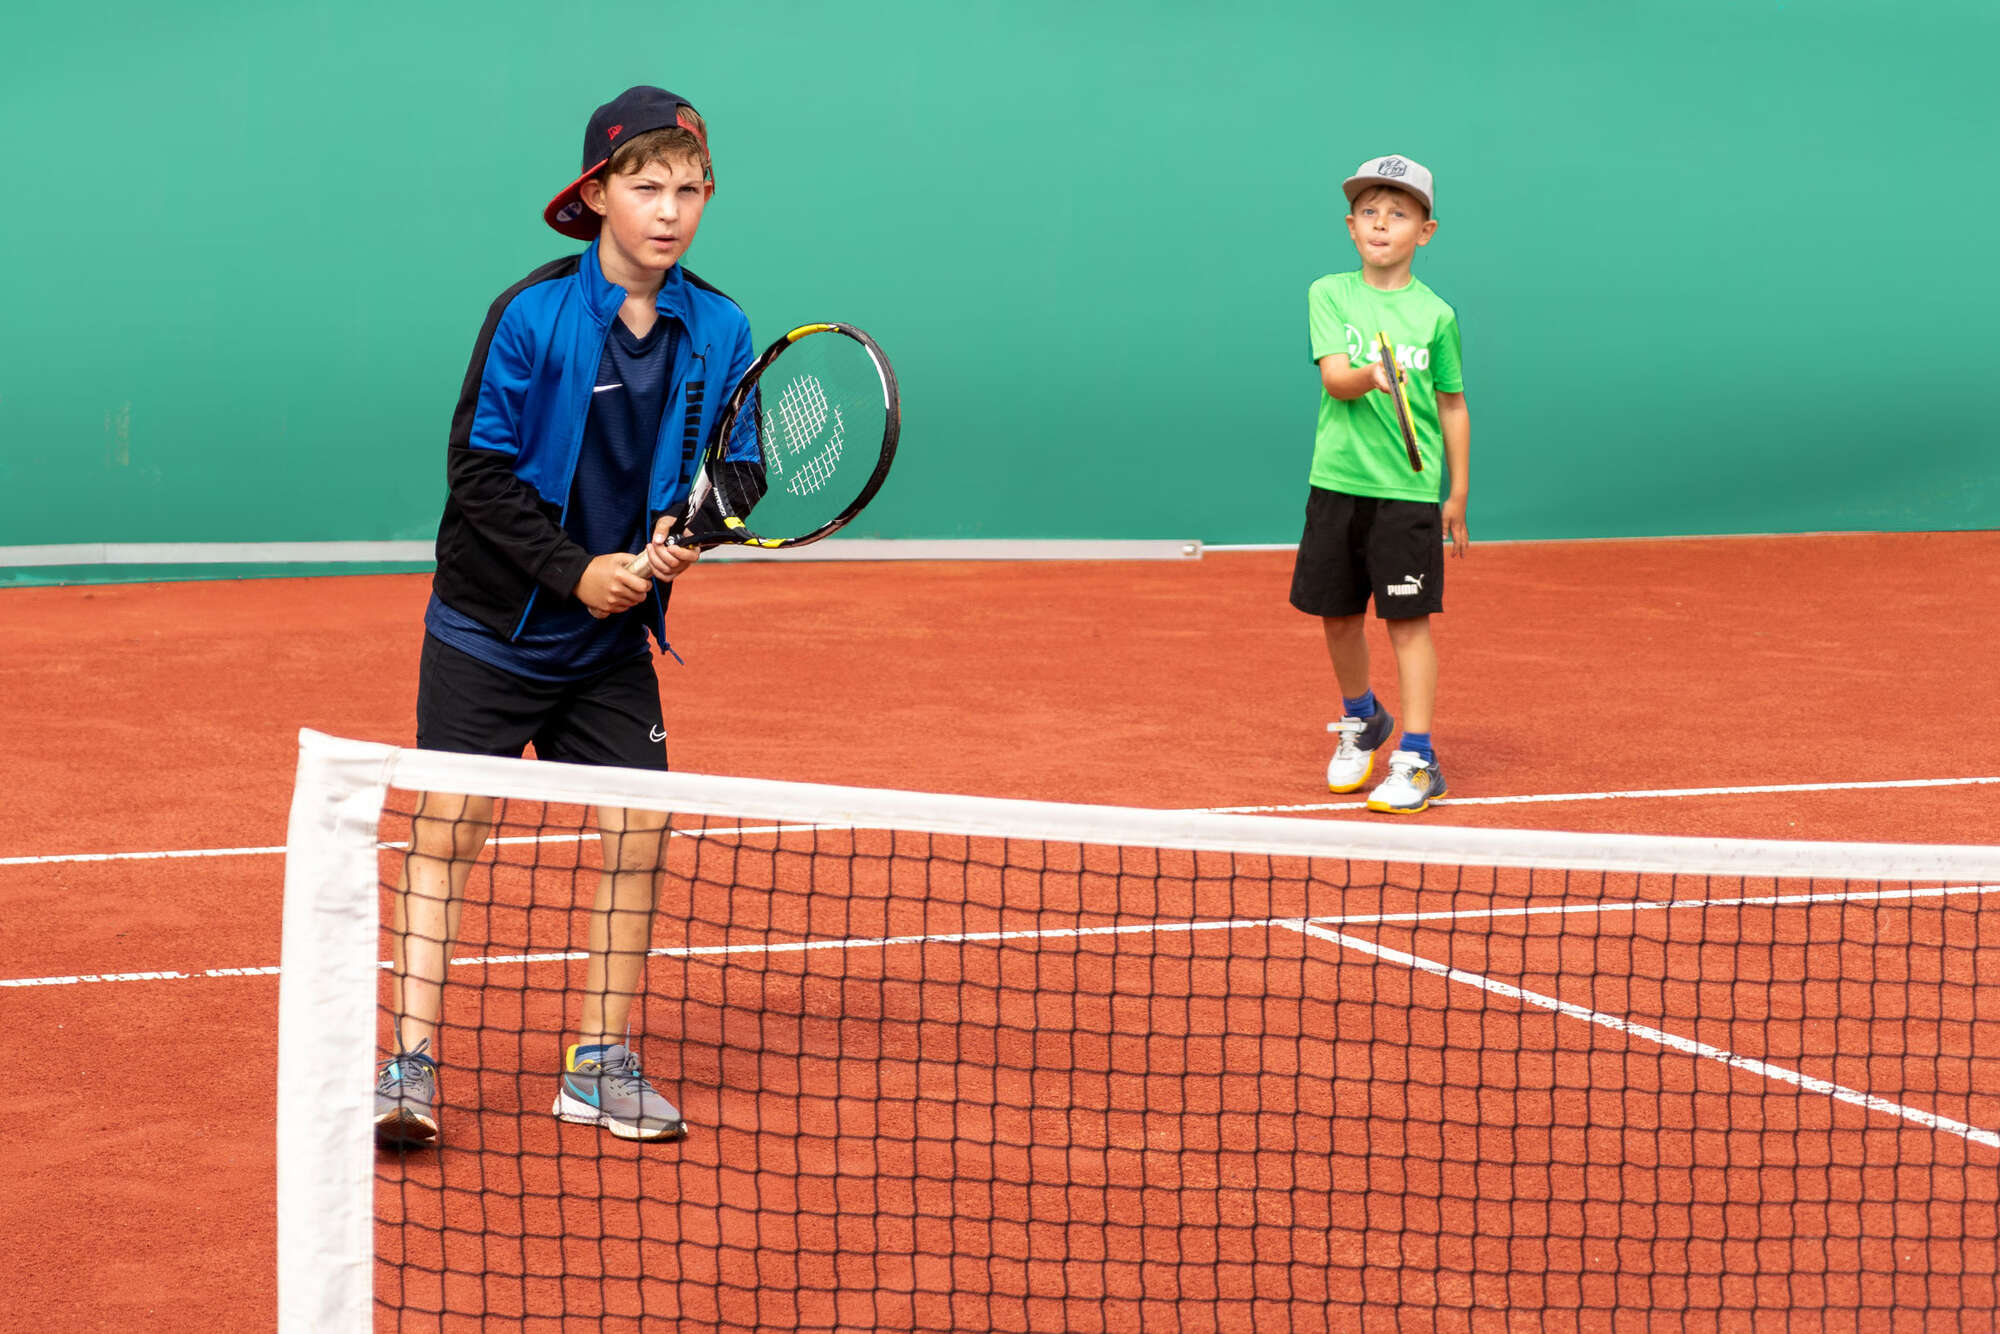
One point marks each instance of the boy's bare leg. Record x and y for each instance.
(1416, 671)
(604, 1087)
(1347, 646)
(621, 922)
(445, 838)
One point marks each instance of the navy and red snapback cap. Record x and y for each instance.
(634, 111)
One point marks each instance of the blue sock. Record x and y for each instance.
(1361, 706)
(1419, 742)
(587, 1052)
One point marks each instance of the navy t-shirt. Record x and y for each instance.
(562, 641)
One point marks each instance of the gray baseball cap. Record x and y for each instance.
(1399, 172)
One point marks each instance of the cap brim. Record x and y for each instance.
(567, 212)
(1354, 185)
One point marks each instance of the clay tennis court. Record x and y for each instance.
(152, 719)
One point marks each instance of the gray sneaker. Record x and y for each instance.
(406, 1099)
(609, 1091)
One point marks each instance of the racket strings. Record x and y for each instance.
(802, 410)
(804, 415)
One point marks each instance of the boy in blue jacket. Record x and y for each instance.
(594, 383)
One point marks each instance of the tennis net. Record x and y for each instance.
(950, 1063)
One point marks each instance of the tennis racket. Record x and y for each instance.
(1397, 377)
(804, 444)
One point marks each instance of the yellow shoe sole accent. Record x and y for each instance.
(1358, 783)
(1386, 809)
(1436, 793)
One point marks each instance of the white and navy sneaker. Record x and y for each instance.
(1412, 785)
(1354, 752)
(609, 1091)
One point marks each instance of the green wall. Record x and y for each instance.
(1721, 265)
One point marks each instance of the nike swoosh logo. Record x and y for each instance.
(601, 388)
(657, 734)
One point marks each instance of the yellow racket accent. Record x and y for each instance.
(1398, 377)
(804, 329)
(729, 521)
(1386, 350)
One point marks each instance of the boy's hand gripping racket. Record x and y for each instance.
(1397, 376)
(804, 443)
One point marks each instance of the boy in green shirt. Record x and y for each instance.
(1374, 525)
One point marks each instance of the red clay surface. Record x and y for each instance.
(164, 717)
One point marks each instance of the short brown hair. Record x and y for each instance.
(686, 142)
(1374, 190)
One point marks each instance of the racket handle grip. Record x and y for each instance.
(637, 565)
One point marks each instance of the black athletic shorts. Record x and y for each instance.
(474, 708)
(1356, 547)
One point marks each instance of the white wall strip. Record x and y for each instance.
(217, 553)
(348, 553)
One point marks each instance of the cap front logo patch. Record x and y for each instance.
(616, 130)
(1392, 166)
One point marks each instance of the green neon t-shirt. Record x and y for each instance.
(1357, 447)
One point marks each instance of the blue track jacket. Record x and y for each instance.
(519, 425)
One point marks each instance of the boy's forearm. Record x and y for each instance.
(1456, 424)
(1345, 382)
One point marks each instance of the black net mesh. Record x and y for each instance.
(949, 1083)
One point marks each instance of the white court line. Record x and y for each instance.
(278, 851)
(508, 841)
(695, 951)
(886, 942)
(1232, 924)
(56, 858)
(1315, 928)
(1548, 798)
(1671, 1041)
(1656, 905)
(161, 975)
(1059, 933)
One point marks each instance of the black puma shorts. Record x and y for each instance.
(1355, 547)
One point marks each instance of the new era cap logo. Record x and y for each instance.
(616, 130)
(1392, 166)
